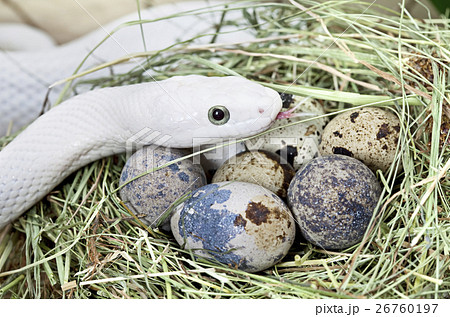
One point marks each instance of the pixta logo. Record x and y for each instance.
(145, 138)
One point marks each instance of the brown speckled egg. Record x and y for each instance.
(213, 159)
(257, 167)
(239, 224)
(333, 199)
(297, 144)
(367, 134)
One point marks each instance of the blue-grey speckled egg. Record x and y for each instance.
(333, 199)
(151, 195)
(242, 225)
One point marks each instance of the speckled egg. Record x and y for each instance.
(367, 134)
(333, 199)
(298, 144)
(150, 196)
(259, 167)
(215, 158)
(239, 224)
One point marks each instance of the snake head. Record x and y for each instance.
(206, 110)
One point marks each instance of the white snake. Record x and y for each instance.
(181, 110)
(103, 122)
(26, 75)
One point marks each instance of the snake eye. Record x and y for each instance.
(218, 115)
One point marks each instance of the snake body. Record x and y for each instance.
(102, 122)
(30, 37)
(26, 75)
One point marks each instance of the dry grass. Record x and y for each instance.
(80, 242)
